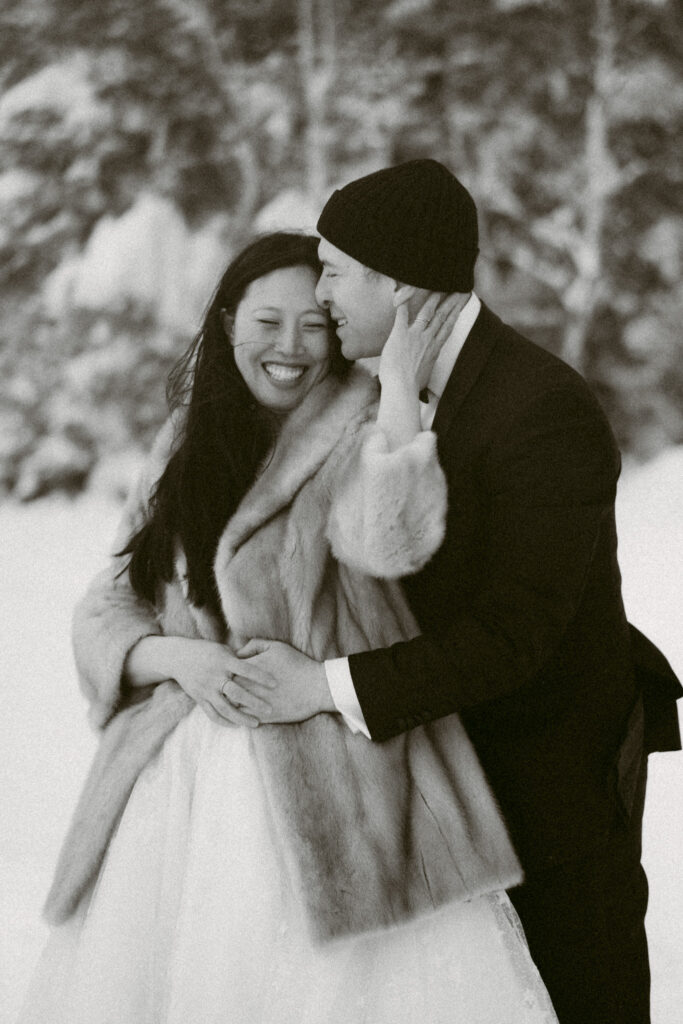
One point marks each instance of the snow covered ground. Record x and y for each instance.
(49, 551)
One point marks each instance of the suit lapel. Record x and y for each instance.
(473, 357)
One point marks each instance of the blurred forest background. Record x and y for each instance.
(141, 143)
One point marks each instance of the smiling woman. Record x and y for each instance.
(280, 337)
(227, 402)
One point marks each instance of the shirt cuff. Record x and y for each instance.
(344, 694)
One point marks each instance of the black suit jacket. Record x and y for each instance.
(523, 627)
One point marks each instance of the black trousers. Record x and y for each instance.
(584, 922)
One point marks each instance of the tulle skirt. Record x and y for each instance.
(193, 921)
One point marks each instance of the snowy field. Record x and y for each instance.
(49, 551)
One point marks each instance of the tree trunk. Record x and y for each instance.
(601, 179)
(317, 62)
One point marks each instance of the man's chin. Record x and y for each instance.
(357, 348)
(349, 350)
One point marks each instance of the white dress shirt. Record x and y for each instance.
(337, 670)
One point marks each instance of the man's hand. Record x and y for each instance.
(296, 684)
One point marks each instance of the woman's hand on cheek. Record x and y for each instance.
(412, 349)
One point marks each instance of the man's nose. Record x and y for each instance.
(321, 293)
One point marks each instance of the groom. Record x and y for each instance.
(523, 627)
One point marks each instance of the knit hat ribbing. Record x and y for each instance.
(414, 222)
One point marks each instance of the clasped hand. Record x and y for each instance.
(277, 683)
(265, 682)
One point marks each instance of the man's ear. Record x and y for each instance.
(403, 293)
(411, 296)
(228, 322)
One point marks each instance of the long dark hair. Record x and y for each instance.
(225, 435)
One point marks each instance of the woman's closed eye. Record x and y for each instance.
(312, 326)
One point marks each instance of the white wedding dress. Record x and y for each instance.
(193, 921)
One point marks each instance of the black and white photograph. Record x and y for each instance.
(341, 491)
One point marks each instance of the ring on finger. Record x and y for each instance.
(233, 703)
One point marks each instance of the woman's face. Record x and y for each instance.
(281, 338)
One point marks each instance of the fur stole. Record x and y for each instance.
(372, 833)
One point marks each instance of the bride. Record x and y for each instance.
(218, 871)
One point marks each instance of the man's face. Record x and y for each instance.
(359, 300)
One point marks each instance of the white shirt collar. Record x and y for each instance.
(443, 367)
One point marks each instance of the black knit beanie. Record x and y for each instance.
(414, 222)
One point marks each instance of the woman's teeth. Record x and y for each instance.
(284, 374)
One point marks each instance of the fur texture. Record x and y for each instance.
(373, 833)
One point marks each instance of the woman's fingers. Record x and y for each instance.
(227, 712)
(247, 667)
(222, 712)
(244, 697)
(209, 711)
(450, 313)
(401, 320)
(437, 332)
(447, 309)
(429, 308)
(436, 319)
(439, 306)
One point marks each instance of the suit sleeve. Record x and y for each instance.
(552, 482)
(110, 618)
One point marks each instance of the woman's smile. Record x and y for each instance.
(284, 373)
